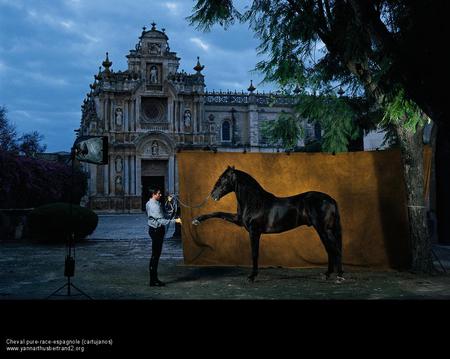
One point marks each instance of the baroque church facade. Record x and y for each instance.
(151, 111)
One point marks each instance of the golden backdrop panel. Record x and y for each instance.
(368, 187)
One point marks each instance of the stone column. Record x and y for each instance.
(125, 116)
(253, 121)
(194, 118)
(112, 115)
(201, 116)
(105, 113)
(177, 187)
(171, 165)
(138, 109)
(106, 179)
(112, 177)
(181, 121)
(170, 114)
(177, 115)
(133, 122)
(174, 111)
(93, 179)
(133, 175)
(138, 177)
(126, 180)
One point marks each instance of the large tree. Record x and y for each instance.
(8, 133)
(29, 144)
(386, 51)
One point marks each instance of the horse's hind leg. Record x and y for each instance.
(254, 242)
(330, 253)
(336, 248)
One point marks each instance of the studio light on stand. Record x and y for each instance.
(91, 149)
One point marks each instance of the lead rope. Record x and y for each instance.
(175, 196)
(174, 209)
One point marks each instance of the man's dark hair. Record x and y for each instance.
(154, 191)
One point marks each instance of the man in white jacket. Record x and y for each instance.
(156, 230)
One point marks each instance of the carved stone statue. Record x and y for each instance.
(118, 164)
(153, 75)
(155, 148)
(119, 117)
(118, 183)
(187, 119)
(155, 49)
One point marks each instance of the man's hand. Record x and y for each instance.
(178, 220)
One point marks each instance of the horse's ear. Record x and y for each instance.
(232, 167)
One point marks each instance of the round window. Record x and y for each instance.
(151, 111)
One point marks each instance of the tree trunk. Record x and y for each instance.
(442, 163)
(411, 145)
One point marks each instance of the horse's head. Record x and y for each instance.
(225, 184)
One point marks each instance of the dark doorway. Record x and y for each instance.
(149, 182)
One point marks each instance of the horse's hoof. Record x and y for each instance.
(195, 222)
(251, 279)
(326, 276)
(339, 279)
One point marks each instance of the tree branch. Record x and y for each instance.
(369, 18)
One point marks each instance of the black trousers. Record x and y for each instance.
(157, 237)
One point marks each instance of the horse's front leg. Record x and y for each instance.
(230, 217)
(254, 243)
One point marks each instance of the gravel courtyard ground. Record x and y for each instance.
(113, 265)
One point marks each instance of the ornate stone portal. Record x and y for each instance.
(151, 110)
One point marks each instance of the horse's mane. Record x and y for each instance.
(249, 182)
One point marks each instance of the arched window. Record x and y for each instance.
(226, 131)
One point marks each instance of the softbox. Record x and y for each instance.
(92, 149)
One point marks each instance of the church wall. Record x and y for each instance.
(149, 102)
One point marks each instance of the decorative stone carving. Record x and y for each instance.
(118, 183)
(155, 49)
(153, 111)
(119, 164)
(155, 148)
(187, 119)
(154, 75)
(119, 116)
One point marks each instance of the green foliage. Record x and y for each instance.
(53, 222)
(284, 131)
(27, 182)
(317, 45)
(335, 116)
(208, 12)
(404, 112)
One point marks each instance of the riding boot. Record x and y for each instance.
(153, 269)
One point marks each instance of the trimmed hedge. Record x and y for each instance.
(51, 222)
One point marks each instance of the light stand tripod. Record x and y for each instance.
(69, 264)
(69, 271)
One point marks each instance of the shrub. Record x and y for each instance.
(29, 182)
(51, 222)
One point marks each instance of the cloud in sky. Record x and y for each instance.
(50, 51)
(173, 7)
(201, 44)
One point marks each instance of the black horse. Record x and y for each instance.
(261, 212)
